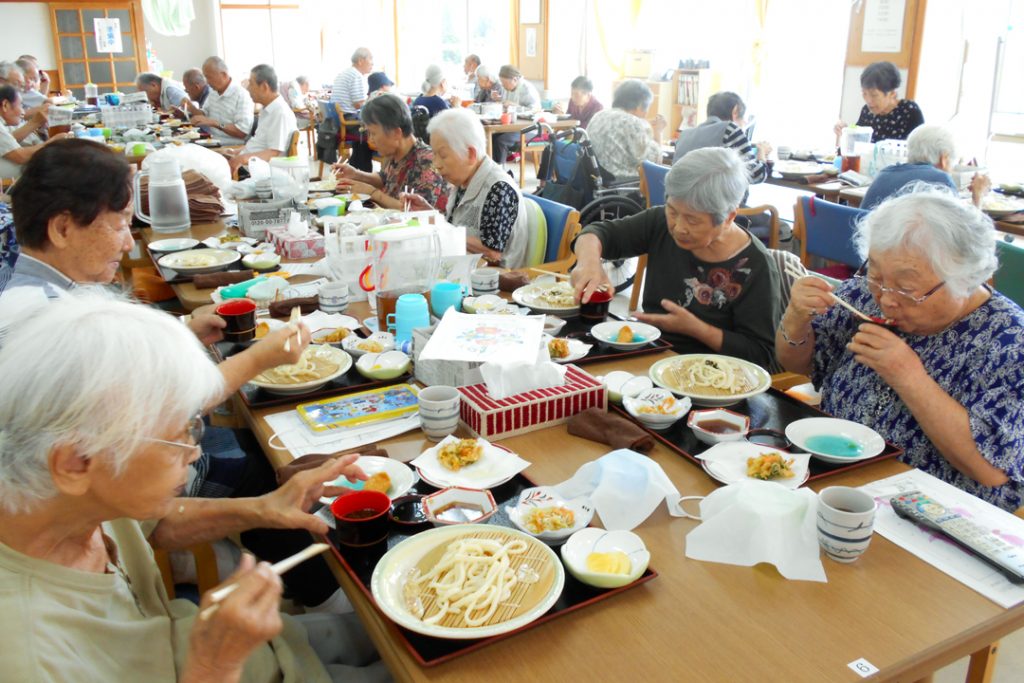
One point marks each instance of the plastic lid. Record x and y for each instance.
(397, 233)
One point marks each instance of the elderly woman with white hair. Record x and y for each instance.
(488, 89)
(99, 422)
(931, 153)
(943, 379)
(484, 199)
(711, 286)
(621, 136)
(433, 90)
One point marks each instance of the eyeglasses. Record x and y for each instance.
(878, 289)
(196, 429)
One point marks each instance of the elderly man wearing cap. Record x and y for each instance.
(378, 82)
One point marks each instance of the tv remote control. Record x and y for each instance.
(927, 512)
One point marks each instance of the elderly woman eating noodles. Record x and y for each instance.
(484, 198)
(408, 162)
(711, 287)
(98, 425)
(944, 379)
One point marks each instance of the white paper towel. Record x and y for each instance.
(759, 521)
(625, 487)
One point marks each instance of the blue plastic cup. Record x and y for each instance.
(411, 311)
(445, 295)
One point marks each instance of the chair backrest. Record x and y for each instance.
(293, 144)
(537, 233)
(826, 230)
(773, 221)
(652, 182)
(1009, 278)
(559, 218)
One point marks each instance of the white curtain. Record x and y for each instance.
(169, 17)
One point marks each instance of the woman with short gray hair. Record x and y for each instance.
(621, 136)
(99, 422)
(711, 286)
(931, 153)
(483, 199)
(940, 374)
(433, 89)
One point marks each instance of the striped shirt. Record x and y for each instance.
(350, 87)
(718, 133)
(233, 106)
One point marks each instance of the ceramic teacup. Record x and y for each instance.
(439, 411)
(846, 518)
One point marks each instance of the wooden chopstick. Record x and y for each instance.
(794, 273)
(551, 272)
(296, 315)
(278, 568)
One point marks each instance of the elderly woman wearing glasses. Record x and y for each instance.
(944, 379)
(98, 426)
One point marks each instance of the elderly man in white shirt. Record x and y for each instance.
(228, 112)
(163, 93)
(276, 123)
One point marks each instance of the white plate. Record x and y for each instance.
(577, 349)
(391, 573)
(607, 332)
(402, 476)
(496, 466)
(219, 259)
(798, 169)
(760, 375)
(544, 497)
(529, 296)
(173, 244)
(727, 462)
(1000, 205)
(870, 441)
(338, 356)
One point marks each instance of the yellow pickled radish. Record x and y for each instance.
(615, 562)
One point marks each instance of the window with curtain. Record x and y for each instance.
(443, 32)
(285, 35)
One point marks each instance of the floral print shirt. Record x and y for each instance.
(740, 295)
(896, 125)
(978, 360)
(416, 171)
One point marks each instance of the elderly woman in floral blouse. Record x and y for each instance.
(945, 379)
(408, 164)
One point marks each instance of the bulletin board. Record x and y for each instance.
(532, 46)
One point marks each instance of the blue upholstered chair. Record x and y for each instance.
(563, 225)
(826, 230)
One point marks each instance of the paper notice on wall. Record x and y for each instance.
(531, 42)
(883, 26)
(108, 35)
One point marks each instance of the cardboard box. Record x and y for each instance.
(531, 410)
(638, 64)
(293, 248)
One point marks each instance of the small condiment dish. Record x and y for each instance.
(621, 383)
(586, 541)
(408, 511)
(383, 366)
(656, 409)
(457, 505)
(718, 425)
(553, 325)
(320, 336)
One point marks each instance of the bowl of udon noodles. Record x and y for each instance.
(710, 380)
(318, 365)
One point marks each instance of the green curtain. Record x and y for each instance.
(169, 17)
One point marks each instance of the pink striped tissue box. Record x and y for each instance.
(530, 410)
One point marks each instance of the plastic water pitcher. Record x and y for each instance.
(168, 201)
(406, 260)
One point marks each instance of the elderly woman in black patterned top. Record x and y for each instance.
(890, 117)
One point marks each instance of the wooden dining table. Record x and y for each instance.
(703, 621)
(707, 621)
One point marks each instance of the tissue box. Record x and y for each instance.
(445, 372)
(310, 245)
(530, 410)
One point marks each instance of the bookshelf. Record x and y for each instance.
(690, 104)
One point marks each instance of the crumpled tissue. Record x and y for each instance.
(625, 488)
(759, 521)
